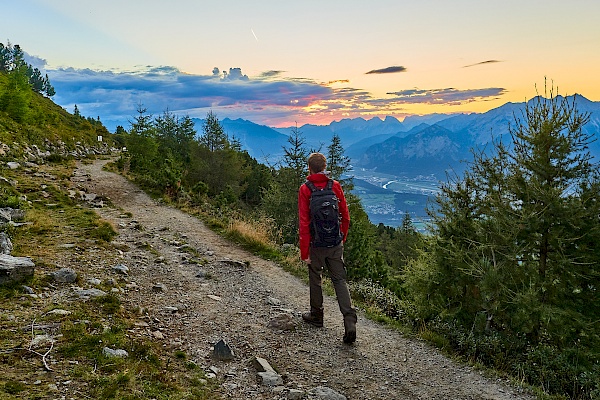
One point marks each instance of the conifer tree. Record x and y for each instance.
(514, 235)
(141, 142)
(15, 99)
(142, 124)
(295, 159)
(4, 57)
(215, 166)
(337, 162)
(48, 88)
(280, 199)
(213, 135)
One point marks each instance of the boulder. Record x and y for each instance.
(15, 269)
(6, 245)
(65, 275)
(8, 215)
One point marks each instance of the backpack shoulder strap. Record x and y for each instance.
(329, 184)
(311, 186)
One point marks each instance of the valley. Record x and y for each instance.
(387, 197)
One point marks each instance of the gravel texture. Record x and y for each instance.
(195, 288)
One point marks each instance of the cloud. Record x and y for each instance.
(338, 81)
(268, 98)
(115, 95)
(449, 96)
(270, 74)
(388, 70)
(35, 61)
(482, 63)
(233, 74)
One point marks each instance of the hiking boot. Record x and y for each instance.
(313, 318)
(349, 330)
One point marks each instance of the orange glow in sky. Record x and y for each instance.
(354, 59)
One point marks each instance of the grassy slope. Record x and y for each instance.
(53, 220)
(47, 120)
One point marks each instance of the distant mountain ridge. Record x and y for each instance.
(430, 151)
(419, 145)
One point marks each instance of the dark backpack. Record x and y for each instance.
(324, 216)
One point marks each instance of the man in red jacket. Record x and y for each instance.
(318, 258)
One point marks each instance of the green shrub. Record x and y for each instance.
(570, 371)
(103, 231)
(13, 387)
(9, 197)
(374, 294)
(110, 304)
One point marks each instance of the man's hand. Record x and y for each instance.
(307, 261)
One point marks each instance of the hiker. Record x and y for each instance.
(322, 242)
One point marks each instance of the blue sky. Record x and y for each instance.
(278, 62)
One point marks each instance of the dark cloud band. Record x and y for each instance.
(482, 63)
(449, 96)
(388, 70)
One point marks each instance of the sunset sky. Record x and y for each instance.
(278, 62)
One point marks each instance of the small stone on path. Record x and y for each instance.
(222, 351)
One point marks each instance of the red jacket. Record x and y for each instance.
(320, 181)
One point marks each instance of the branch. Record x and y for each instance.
(46, 366)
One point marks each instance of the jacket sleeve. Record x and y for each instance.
(304, 221)
(344, 213)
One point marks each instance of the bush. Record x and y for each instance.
(104, 231)
(373, 294)
(570, 371)
(9, 198)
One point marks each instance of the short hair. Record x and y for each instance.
(317, 162)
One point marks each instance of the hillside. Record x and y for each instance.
(47, 124)
(426, 150)
(432, 150)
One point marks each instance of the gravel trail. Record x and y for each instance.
(193, 298)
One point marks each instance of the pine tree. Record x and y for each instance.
(515, 233)
(48, 88)
(35, 79)
(280, 199)
(18, 58)
(215, 166)
(142, 124)
(4, 57)
(295, 158)
(17, 95)
(337, 162)
(213, 135)
(141, 143)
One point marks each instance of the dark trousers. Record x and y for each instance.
(331, 258)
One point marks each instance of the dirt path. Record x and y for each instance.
(200, 303)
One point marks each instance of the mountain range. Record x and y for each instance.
(419, 145)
